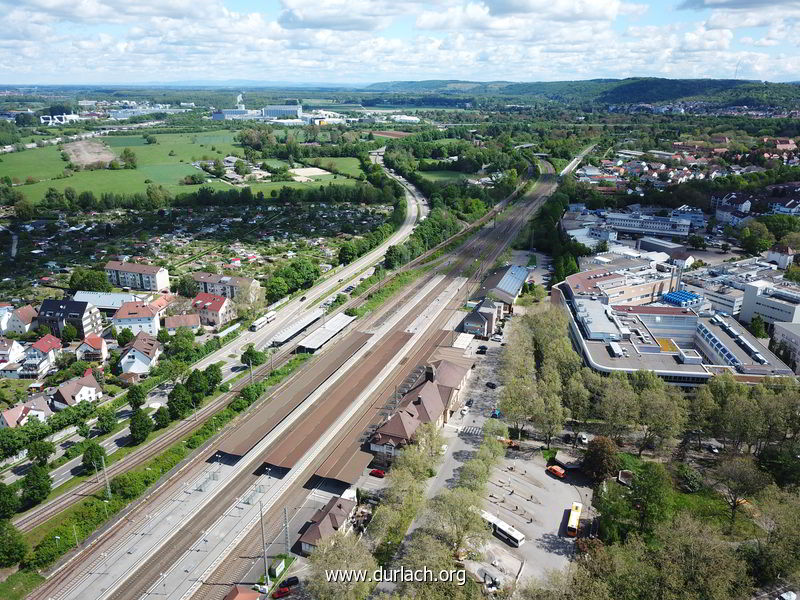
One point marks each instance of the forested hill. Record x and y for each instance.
(614, 91)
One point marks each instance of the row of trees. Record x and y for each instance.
(440, 225)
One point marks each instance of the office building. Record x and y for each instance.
(773, 302)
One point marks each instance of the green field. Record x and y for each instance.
(444, 176)
(40, 163)
(346, 165)
(155, 166)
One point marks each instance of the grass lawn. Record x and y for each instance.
(347, 165)
(19, 585)
(165, 163)
(444, 176)
(8, 387)
(39, 163)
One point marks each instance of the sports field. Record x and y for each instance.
(165, 163)
(444, 176)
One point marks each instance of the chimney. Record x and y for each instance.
(430, 373)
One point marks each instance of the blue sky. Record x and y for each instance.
(364, 41)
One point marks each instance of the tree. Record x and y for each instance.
(253, 357)
(36, 486)
(12, 545)
(574, 582)
(453, 514)
(758, 328)
(276, 288)
(68, 333)
(576, 399)
(136, 396)
(161, 417)
(84, 430)
(737, 479)
(650, 495)
(93, 457)
(179, 402)
(124, 337)
(163, 336)
(213, 373)
(426, 551)
(474, 475)
(9, 501)
(89, 280)
(601, 458)
(662, 412)
(140, 426)
(339, 552)
(701, 408)
(552, 415)
(197, 384)
(40, 452)
(106, 419)
(429, 438)
(618, 405)
(187, 286)
(697, 241)
(129, 158)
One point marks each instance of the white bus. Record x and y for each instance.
(503, 530)
(261, 321)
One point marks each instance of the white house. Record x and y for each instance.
(40, 357)
(75, 391)
(137, 316)
(18, 415)
(22, 320)
(5, 315)
(782, 255)
(140, 355)
(11, 351)
(92, 349)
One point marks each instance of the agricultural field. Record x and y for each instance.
(165, 163)
(348, 166)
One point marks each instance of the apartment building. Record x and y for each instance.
(137, 316)
(788, 336)
(85, 317)
(136, 276)
(235, 288)
(214, 310)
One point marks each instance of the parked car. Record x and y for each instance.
(583, 438)
(480, 351)
(491, 385)
(713, 449)
(497, 338)
(281, 592)
(379, 473)
(556, 471)
(303, 299)
(468, 402)
(290, 582)
(464, 410)
(496, 414)
(484, 348)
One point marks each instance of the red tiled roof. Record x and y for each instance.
(133, 310)
(26, 314)
(47, 343)
(176, 321)
(212, 302)
(133, 267)
(95, 341)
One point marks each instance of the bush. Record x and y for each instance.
(689, 479)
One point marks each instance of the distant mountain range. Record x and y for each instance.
(612, 91)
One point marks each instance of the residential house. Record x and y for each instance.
(92, 349)
(11, 351)
(40, 357)
(432, 399)
(334, 516)
(136, 276)
(140, 355)
(191, 321)
(236, 288)
(84, 317)
(22, 320)
(75, 391)
(782, 255)
(161, 303)
(6, 310)
(214, 310)
(137, 316)
(18, 415)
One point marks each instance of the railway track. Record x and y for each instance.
(240, 561)
(468, 251)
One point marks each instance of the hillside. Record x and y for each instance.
(612, 91)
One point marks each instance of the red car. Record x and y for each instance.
(281, 593)
(378, 473)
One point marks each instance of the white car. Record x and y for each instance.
(464, 410)
(583, 438)
(497, 338)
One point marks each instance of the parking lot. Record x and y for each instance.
(520, 492)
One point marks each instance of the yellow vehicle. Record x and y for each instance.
(573, 525)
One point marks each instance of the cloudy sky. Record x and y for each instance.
(363, 41)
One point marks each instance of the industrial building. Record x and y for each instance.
(647, 225)
(773, 302)
(283, 111)
(681, 345)
(641, 287)
(503, 286)
(657, 245)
